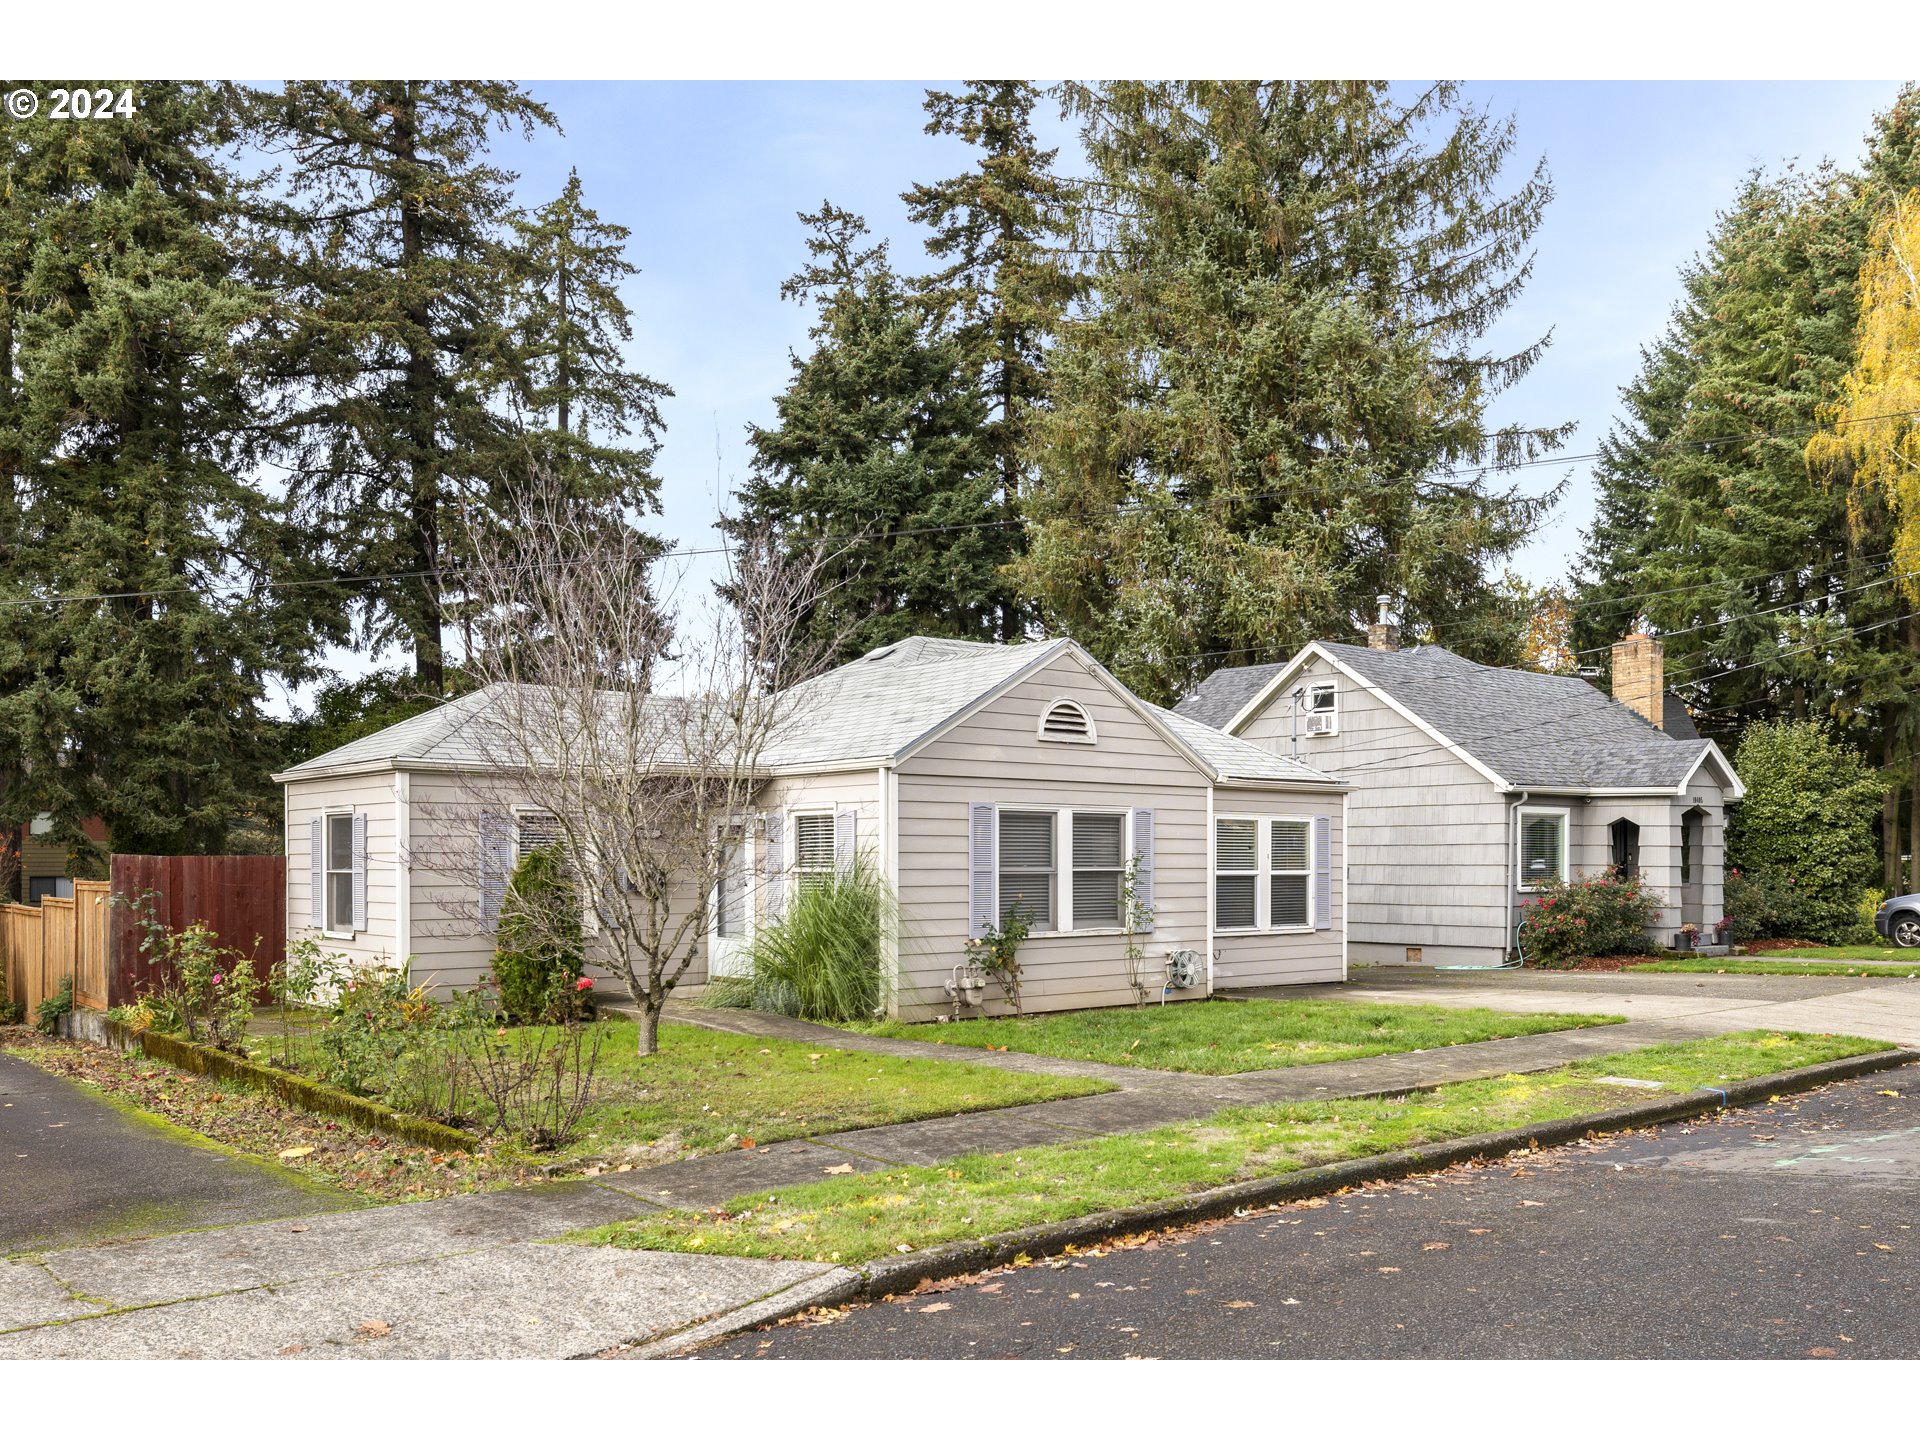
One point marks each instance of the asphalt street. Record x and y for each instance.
(74, 1169)
(1786, 1231)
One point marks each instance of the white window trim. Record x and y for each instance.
(1332, 711)
(1262, 875)
(1566, 842)
(794, 870)
(327, 872)
(1065, 921)
(1092, 737)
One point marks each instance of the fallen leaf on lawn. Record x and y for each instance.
(817, 1055)
(746, 1142)
(373, 1329)
(846, 1169)
(1436, 1245)
(294, 1152)
(935, 1308)
(1239, 1305)
(904, 1248)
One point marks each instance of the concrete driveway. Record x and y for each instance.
(1882, 1008)
(74, 1169)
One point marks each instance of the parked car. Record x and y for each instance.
(1898, 919)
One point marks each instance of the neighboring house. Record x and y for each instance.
(34, 866)
(979, 779)
(1471, 785)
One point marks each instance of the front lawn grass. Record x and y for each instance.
(1876, 951)
(1708, 965)
(1230, 1037)
(860, 1217)
(708, 1090)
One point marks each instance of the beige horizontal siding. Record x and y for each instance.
(1284, 957)
(373, 796)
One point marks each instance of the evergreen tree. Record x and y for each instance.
(602, 418)
(135, 644)
(877, 453)
(999, 228)
(1275, 408)
(396, 269)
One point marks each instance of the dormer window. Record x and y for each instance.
(1067, 722)
(1322, 709)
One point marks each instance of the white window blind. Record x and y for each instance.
(1542, 843)
(1289, 871)
(1099, 843)
(1236, 863)
(340, 873)
(812, 850)
(1026, 868)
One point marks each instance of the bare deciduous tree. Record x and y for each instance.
(642, 735)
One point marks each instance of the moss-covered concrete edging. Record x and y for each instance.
(896, 1275)
(296, 1090)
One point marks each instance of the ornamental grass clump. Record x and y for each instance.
(821, 958)
(1589, 915)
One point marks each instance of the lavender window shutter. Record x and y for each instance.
(359, 870)
(317, 872)
(775, 826)
(1323, 872)
(982, 907)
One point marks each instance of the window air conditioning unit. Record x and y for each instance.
(1319, 723)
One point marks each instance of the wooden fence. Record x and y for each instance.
(95, 936)
(55, 940)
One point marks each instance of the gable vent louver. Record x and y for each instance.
(1067, 722)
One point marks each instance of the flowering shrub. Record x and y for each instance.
(1588, 915)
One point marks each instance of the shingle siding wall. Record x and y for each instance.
(1426, 832)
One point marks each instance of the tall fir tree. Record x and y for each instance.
(1275, 407)
(878, 458)
(599, 418)
(1004, 284)
(136, 635)
(396, 270)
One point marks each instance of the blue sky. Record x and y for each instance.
(709, 177)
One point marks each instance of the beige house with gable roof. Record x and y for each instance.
(981, 780)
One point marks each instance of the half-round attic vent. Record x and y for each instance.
(1066, 721)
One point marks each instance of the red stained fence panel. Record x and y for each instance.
(241, 898)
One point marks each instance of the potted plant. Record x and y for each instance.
(1688, 937)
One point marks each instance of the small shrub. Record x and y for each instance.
(821, 959)
(995, 953)
(12, 1012)
(1588, 915)
(47, 1014)
(206, 989)
(535, 1080)
(378, 1017)
(541, 951)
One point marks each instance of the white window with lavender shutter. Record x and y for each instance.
(1236, 873)
(1026, 867)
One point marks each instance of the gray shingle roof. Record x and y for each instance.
(1225, 693)
(1542, 731)
(874, 708)
(1236, 759)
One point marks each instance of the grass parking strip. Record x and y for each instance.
(863, 1217)
(1231, 1037)
(1707, 965)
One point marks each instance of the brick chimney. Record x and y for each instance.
(1640, 677)
(1383, 634)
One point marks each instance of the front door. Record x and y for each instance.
(731, 927)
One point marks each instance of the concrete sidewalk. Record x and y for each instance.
(466, 1277)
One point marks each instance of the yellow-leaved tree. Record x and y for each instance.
(1874, 434)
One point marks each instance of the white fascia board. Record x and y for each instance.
(1737, 790)
(1047, 654)
(1316, 650)
(1267, 691)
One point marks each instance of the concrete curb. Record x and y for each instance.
(881, 1278)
